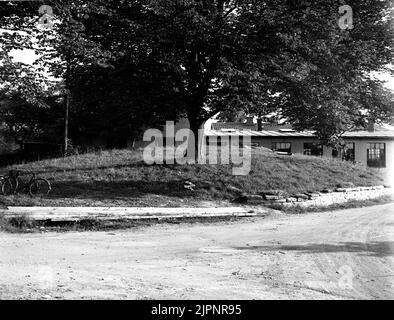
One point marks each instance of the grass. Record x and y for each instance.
(24, 225)
(20, 224)
(120, 178)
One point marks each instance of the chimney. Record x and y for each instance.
(249, 121)
(371, 125)
(259, 124)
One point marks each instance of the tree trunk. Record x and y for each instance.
(195, 125)
(259, 124)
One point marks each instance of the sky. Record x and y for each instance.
(389, 79)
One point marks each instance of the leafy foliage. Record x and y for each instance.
(125, 65)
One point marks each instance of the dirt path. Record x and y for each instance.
(331, 255)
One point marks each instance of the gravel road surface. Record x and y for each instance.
(346, 254)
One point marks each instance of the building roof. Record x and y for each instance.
(274, 130)
(263, 133)
(378, 133)
(245, 126)
(233, 125)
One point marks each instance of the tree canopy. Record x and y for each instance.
(131, 64)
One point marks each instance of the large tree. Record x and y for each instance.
(331, 92)
(262, 56)
(81, 48)
(208, 56)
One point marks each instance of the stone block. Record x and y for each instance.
(302, 196)
(254, 198)
(234, 190)
(272, 197)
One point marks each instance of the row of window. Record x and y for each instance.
(310, 149)
(376, 152)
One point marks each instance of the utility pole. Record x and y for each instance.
(67, 81)
(66, 112)
(66, 105)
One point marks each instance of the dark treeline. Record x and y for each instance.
(109, 69)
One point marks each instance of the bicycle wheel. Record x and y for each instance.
(9, 186)
(39, 187)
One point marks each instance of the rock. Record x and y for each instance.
(254, 198)
(234, 190)
(189, 185)
(272, 192)
(326, 190)
(301, 196)
(340, 190)
(291, 199)
(281, 194)
(353, 189)
(313, 195)
(280, 201)
(271, 197)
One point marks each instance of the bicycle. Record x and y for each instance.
(35, 186)
(3, 177)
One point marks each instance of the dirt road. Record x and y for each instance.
(330, 255)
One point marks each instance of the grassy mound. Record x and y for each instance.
(120, 178)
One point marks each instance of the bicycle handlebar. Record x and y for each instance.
(16, 173)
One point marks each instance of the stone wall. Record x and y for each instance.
(342, 196)
(319, 199)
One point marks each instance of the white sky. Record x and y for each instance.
(25, 56)
(389, 79)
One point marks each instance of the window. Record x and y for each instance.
(376, 155)
(313, 149)
(281, 146)
(348, 152)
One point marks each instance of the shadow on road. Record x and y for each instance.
(377, 249)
